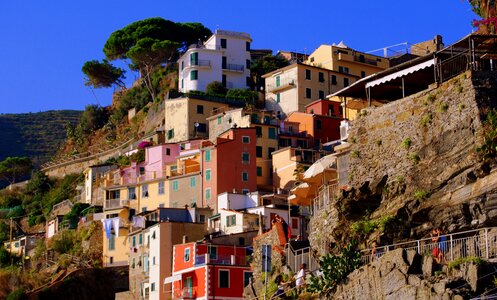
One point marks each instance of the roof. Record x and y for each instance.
(306, 66)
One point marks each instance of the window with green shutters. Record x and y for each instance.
(244, 176)
(231, 220)
(278, 81)
(175, 185)
(208, 155)
(207, 175)
(245, 157)
(259, 171)
(194, 75)
(208, 194)
(192, 182)
(278, 98)
(194, 58)
(219, 120)
(112, 242)
(272, 133)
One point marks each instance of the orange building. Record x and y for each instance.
(229, 165)
(207, 271)
(325, 108)
(319, 129)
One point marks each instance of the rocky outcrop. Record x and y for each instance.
(402, 274)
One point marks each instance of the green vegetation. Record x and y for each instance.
(488, 150)
(355, 154)
(14, 168)
(378, 142)
(431, 97)
(406, 143)
(442, 107)
(470, 259)
(216, 88)
(421, 195)
(426, 119)
(266, 65)
(102, 74)
(414, 157)
(18, 294)
(335, 268)
(367, 226)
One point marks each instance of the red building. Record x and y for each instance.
(325, 108)
(207, 271)
(229, 165)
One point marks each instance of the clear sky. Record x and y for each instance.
(43, 44)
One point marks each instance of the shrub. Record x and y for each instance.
(443, 107)
(63, 242)
(470, 259)
(414, 157)
(355, 154)
(488, 149)
(18, 294)
(431, 97)
(367, 226)
(421, 195)
(426, 119)
(378, 142)
(215, 88)
(406, 143)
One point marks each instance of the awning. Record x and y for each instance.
(401, 73)
(171, 279)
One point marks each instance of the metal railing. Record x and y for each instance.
(235, 260)
(200, 63)
(234, 67)
(283, 84)
(326, 194)
(295, 258)
(474, 243)
(186, 293)
(116, 203)
(453, 66)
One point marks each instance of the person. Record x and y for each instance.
(300, 277)
(281, 286)
(439, 246)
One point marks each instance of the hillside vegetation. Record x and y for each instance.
(36, 135)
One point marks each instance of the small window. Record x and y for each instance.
(247, 46)
(219, 120)
(200, 109)
(363, 74)
(258, 131)
(278, 98)
(152, 286)
(192, 182)
(321, 94)
(278, 82)
(224, 279)
(345, 82)
(246, 278)
(194, 58)
(246, 139)
(208, 194)
(270, 151)
(112, 242)
(308, 93)
(140, 239)
(194, 75)
(245, 157)
(187, 255)
(168, 151)
(271, 133)
(207, 155)
(230, 220)
(170, 134)
(307, 74)
(175, 185)
(182, 83)
(318, 125)
(208, 175)
(132, 193)
(334, 80)
(202, 127)
(133, 241)
(212, 250)
(259, 171)
(321, 77)
(224, 43)
(161, 188)
(145, 190)
(258, 151)
(245, 176)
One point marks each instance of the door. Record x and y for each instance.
(189, 287)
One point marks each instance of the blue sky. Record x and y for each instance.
(43, 44)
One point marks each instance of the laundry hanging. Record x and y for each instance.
(138, 221)
(116, 222)
(107, 223)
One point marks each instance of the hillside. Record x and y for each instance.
(36, 135)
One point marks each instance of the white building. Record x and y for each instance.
(224, 57)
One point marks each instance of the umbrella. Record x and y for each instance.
(295, 200)
(320, 171)
(302, 194)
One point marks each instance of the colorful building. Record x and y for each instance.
(208, 271)
(318, 128)
(224, 57)
(229, 165)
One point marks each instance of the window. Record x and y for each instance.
(308, 93)
(295, 223)
(133, 241)
(161, 188)
(345, 82)
(182, 83)
(245, 176)
(247, 46)
(271, 133)
(246, 278)
(212, 250)
(333, 79)
(321, 76)
(200, 109)
(112, 242)
(207, 155)
(142, 171)
(248, 81)
(208, 194)
(258, 131)
(278, 82)
(208, 175)
(152, 286)
(170, 134)
(187, 255)
(182, 65)
(270, 151)
(246, 139)
(175, 185)
(343, 70)
(224, 62)
(194, 58)
(140, 239)
(145, 190)
(224, 279)
(245, 157)
(194, 75)
(192, 182)
(224, 43)
(258, 151)
(230, 220)
(259, 171)
(245, 191)
(168, 151)
(132, 193)
(307, 74)
(247, 63)
(223, 79)
(219, 120)
(318, 125)
(321, 94)
(278, 98)
(363, 74)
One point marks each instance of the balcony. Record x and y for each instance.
(186, 293)
(227, 260)
(283, 85)
(201, 63)
(365, 60)
(116, 203)
(233, 68)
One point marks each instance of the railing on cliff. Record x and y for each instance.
(480, 243)
(296, 257)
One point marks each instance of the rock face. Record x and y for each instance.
(402, 274)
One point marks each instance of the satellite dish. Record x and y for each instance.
(196, 124)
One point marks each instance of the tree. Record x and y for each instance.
(486, 9)
(152, 42)
(102, 74)
(12, 168)
(93, 118)
(215, 88)
(267, 64)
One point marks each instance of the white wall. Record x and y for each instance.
(236, 201)
(266, 213)
(154, 251)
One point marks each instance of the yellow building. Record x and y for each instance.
(291, 88)
(186, 118)
(266, 125)
(345, 60)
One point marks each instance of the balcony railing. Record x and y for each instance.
(186, 293)
(200, 63)
(116, 203)
(365, 60)
(233, 67)
(284, 84)
(234, 260)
